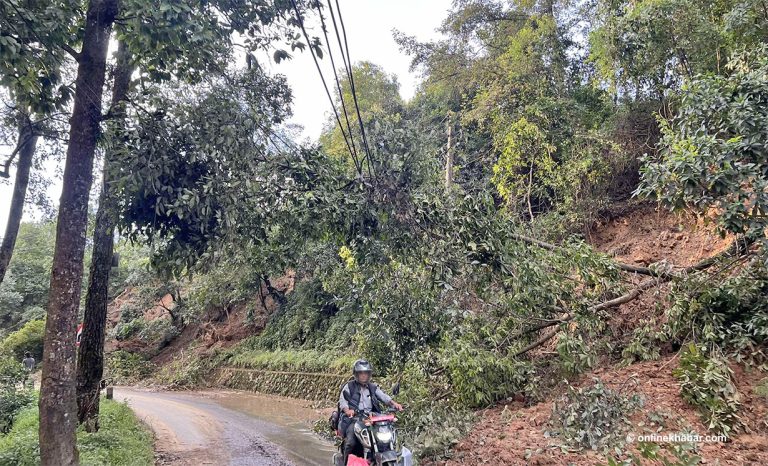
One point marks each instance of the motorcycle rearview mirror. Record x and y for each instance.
(396, 388)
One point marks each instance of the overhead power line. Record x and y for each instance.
(325, 86)
(348, 66)
(336, 76)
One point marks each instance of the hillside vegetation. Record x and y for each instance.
(558, 244)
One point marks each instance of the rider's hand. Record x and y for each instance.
(349, 412)
(397, 406)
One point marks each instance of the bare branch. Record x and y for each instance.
(75, 54)
(735, 248)
(621, 266)
(6, 173)
(545, 338)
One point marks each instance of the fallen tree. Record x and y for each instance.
(737, 248)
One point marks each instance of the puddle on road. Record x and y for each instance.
(291, 420)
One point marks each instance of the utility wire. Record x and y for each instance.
(338, 82)
(327, 92)
(351, 78)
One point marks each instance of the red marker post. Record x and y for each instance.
(79, 333)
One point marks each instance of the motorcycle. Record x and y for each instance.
(377, 434)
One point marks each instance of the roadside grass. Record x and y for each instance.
(290, 360)
(121, 440)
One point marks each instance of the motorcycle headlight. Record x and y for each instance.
(384, 435)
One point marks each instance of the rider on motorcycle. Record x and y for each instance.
(356, 396)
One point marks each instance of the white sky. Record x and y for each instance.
(369, 25)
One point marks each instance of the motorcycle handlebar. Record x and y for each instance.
(359, 413)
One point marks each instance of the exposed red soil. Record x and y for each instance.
(641, 235)
(224, 327)
(515, 435)
(161, 310)
(644, 234)
(217, 328)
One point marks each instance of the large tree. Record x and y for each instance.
(25, 150)
(184, 42)
(90, 358)
(647, 48)
(58, 421)
(32, 60)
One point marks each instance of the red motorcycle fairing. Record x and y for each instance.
(356, 461)
(383, 418)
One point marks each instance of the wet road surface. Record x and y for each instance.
(228, 427)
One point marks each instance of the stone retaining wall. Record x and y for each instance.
(308, 386)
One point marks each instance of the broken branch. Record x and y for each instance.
(621, 266)
(735, 248)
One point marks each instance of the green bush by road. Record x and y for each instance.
(121, 440)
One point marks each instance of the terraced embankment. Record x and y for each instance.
(309, 386)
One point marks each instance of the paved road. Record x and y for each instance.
(194, 428)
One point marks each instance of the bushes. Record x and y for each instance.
(310, 319)
(121, 440)
(11, 402)
(185, 370)
(157, 332)
(294, 361)
(433, 421)
(20, 446)
(706, 382)
(732, 315)
(594, 417)
(127, 368)
(12, 399)
(479, 377)
(713, 157)
(125, 330)
(675, 454)
(27, 338)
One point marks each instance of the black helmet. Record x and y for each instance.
(361, 365)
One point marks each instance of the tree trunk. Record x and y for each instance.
(90, 358)
(449, 154)
(58, 406)
(27, 146)
(276, 294)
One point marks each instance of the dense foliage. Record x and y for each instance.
(14, 392)
(28, 338)
(447, 267)
(122, 439)
(595, 417)
(714, 153)
(707, 383)
(24, 291)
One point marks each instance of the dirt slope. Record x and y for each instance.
(218, 327)
(515, 434)
(642, 234)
